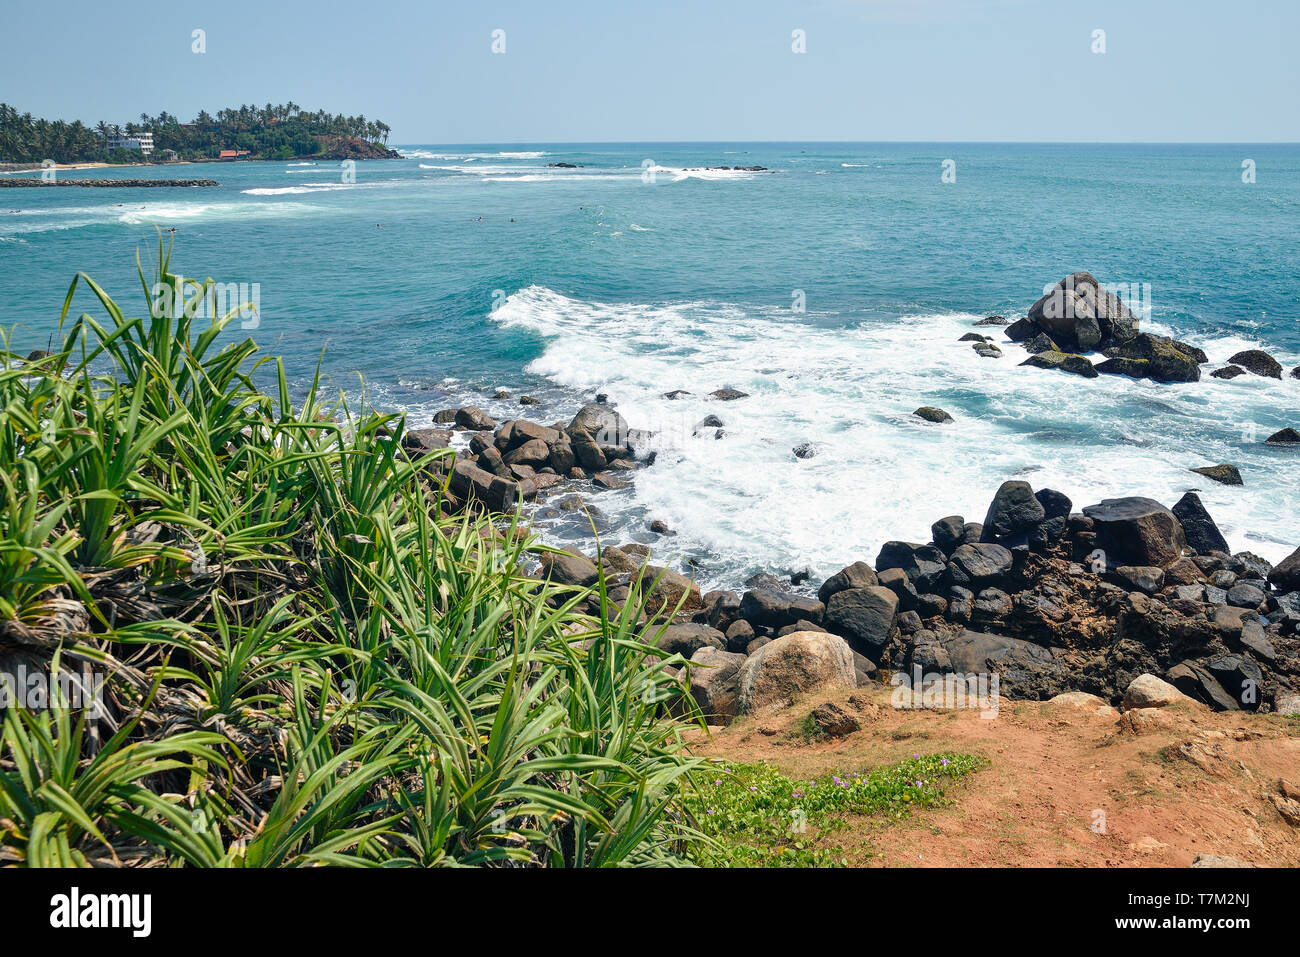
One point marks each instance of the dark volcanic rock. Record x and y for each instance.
(947, 533)
(896, 580)
(1259, 362)
(569, 568)
(864, 616)
(931, 414)
(974, 565)
(1041, 343)
(739, 634)
(857, 575)
(602, 424)
(1014, 512)
(1196, 682)
(1024, 669)
(923, 564)
(687, 639)
(1152, 357)
(1079, 314)
(728, 395)
(776, 609)
(1137, 531)
(1021, 330)
(805, 450)
(1198, 527)
(1223, 474)
(472, 417)
(1056, 514)
(1064, 362)
(1287, 436)
(1285, 575)
(1227, 372)
(993, 321)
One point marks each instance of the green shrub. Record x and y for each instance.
(306, 661)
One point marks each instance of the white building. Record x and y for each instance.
(118, 140)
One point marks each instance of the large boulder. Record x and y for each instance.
(666, 588)
(948, 533)
(1063, 361)
(975, 565)
(865, 616)
(1201, 532)
(516, 432)
(1013, 514)
(1223, 474)
(1079, 314)
(923, 564)
(1196, 681)
(1148, 691)
(1259, 362)
(1285, 575)
(534, 453)
(857, 575)
(476, 484)
(1153, 357)
(569, 568)
(472, 417)
(1024, 669)
(713, 680)
(602, 423)
(799, 663)
(687, 639)
(776, 609)
(586, 450)
(1136, 531)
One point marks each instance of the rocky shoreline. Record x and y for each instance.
(107, 183)
(1122, 599)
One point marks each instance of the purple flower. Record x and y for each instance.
(717, 780)
(796, 794)
(918, 783)
(711, 811)
(917, 756)
(944, 762)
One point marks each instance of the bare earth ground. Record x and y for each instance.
(1172, 783)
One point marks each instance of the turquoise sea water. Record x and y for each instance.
(459, 270)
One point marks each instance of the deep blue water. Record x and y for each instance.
(468, 268)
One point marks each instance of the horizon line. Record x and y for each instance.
(853, 142)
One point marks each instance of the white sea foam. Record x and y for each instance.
(295, 190)
(880, 473)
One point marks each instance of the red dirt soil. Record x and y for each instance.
(1172, 783)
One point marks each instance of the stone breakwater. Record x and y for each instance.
(107, 183)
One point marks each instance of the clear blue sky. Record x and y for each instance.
(602, 70)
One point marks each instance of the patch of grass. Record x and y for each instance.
(756, 816)
(807, 729)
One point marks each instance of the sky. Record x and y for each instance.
(711, 70)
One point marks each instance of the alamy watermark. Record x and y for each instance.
(35, 689)
(218, 300)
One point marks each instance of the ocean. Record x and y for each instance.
(832, 287)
